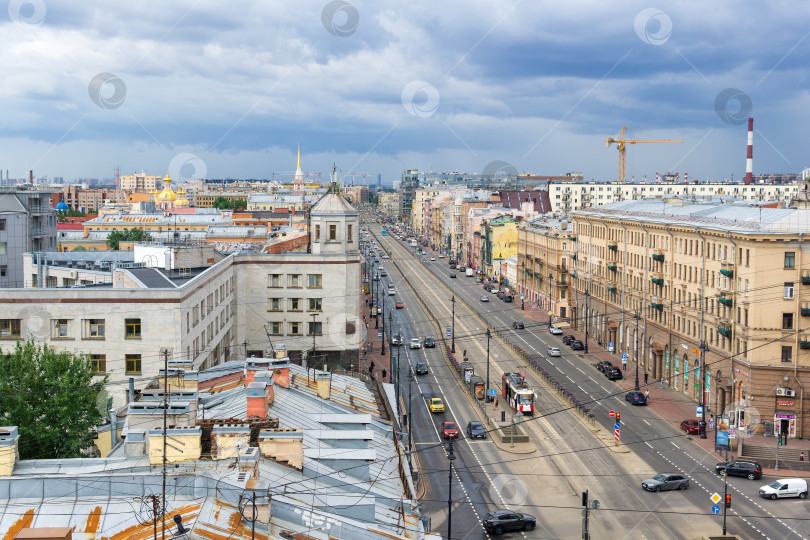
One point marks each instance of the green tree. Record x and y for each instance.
(52, 399)
(134, 234)
(221, 203)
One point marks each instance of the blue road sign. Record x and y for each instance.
(617, 425)
(715, 509)
(699, 411)
(379, 334)
(624, 357)
(492, 392)
(448, 331)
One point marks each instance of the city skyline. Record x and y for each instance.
(209, 91)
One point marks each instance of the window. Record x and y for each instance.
(349, 233)
(787, 321)
(133, 328)
(315, 329)
(315, 281)
(275, 328)
(133, 363)
(295, 328)
(51, 282)
(9, 328)
(788, 289)
(3, 270)
(790, 259)
(747, 257)
(275, 304)
(60, 328)
(294, 280)
(317, 233)
(332, 233)
(295, 304)
(274, 280)
(94, 328)
(787, 354)
(2, 224)
(2, 248)
(315, 304)
(99, 363)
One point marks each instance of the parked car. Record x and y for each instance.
(501, 295)
(783, 488)
(436, 405)
(449, 430)
(636, 398)
(567, 339)
(517, 325)
(476, 430)
(500, 521)
(555, 330)
(576, 345)
(421, 368)
(415, 343)
(507, 298)
(553, 351)
(613, 373)
(396, 339)
(430, 343)
(485, 298)
(749, 469)
(663, 482)
(400, 304)
(692, 427)
(601, 365)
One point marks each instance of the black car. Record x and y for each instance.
(507, 298)
(601, 365)
(576, 345)
(517, 325)
(636, 398)
(476, 430)
(430, 343)
(452, 275)
(500, 521)
(749, 469)
(421, 368)
(613, 373)
(500, 295)
(567, 339)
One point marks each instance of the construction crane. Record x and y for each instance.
(620, 143)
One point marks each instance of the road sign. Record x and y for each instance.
(612, 414)
(449, 331)
(492, 392)
(549, 314)
(616, 435)
(610, 347)
(732, 433)
(379, 334)
(716, 498)
(617, 425)
(624, 358)
(699, 411)
(715, 509)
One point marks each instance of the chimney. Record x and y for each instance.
(281, 372)
(9, 453)
(257, 400)
(135, 445)
(31, 177)
(254, 365)
(323, 381)
(266, 377)
(749, 158)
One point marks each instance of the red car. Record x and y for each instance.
(400, 305)
(449, 429)
(692, 427)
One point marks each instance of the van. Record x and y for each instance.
(783, 488)
(469, 272)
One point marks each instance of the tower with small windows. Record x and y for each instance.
(333, 225)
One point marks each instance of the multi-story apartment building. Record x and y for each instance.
(409, 183)
(357, 194)
(714, 298)
(140, 182)
(389, 203)
(27, 223)
(82, 199)
(568, 196)
(499, 241)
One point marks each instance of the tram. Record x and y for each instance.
(517, 393)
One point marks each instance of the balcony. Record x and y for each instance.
(658, 279)
(726, 301)
(612, 286)
(572, 237)
(613, 246)
(529, 273)
(562, 268)
(658, 255)
(573, 256)
(561, 283)
(723, 290)
(529, 257)
(572, 274)
(805, 310)
(805, 277)
(804, 342)
(657, 304)
(724, 330)
(612, 267)
(727, 269)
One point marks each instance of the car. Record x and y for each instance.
(441, 256)
(500, 295)
(601, 365)
(576, 345)
(436, 405)
(383, 273)
(665, 481)
(692, 427)
(376, 259)
(494, 291)
(453, 266)
(507, 298)
(391, 291)
(479, 280)
(386, 257)
(784, 487)
(567, 339)
(476, 430)
(376, 277)
(430, 343)
(613, 373)
(485, 298)
(553, 351)
(449, 430)
(555, 330)
(421, 368)
(517, 325)
(499, 521)
(415, 343)
(635, 398)
(396, 339)
(433, 259)
(749, 469)
(400, 304)
(452, 275)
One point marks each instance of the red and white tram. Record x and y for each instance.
(517, 393)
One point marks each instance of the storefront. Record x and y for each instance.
(785, 422)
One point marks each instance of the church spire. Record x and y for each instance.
(298, 180)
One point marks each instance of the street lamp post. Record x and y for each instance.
(488, 336)
(410, 418)
(450, 457)
(377, 303)
(638, 330)
(453, 326)
(704, 349)
(382, 340)
(587, 317)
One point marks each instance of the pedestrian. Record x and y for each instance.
(647, 395)
(645, 377)
(371, 367)
(384, 373)
(366, 326)
(711, 422)
(662, 383)
(801, 456)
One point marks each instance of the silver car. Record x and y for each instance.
(553, 351)
(665, 481)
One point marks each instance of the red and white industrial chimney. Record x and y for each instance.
(749, 158)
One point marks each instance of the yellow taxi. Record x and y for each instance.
(436, 405)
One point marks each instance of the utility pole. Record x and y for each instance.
(155, 502)
(410, 418)
(396, 382)
(586, 533)
(587, 314)
(704, 349)
(453, 326)
(382, 341)
(489, 334)
(165, 352)
(451, 457)
(638, 331)
(726, 501)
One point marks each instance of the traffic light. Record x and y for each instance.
(779, 440)
(728, 501)
(584, 498)
(618, 417)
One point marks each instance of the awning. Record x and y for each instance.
(613, 325)
(725, 382)
(657, 346)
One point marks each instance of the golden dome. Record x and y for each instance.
(181, 202)
(167, 194)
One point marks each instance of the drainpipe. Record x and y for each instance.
(624, 270)
(605, 293)
(113, 429)
(704, 351)
(671, 299)
(796, 362)
(645, 285)
(734, 303)
(131, 389)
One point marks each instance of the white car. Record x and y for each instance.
(386, 257)
(485, 298)
(555, 330)
(433, 259)
(441, 256)
(553, 351)
(415, 343)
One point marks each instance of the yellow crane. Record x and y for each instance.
(620, 143)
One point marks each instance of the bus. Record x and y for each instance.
(517, 393)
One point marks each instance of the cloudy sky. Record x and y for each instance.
(228, 89)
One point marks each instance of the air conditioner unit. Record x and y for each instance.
(780, 391)
(790, 392)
